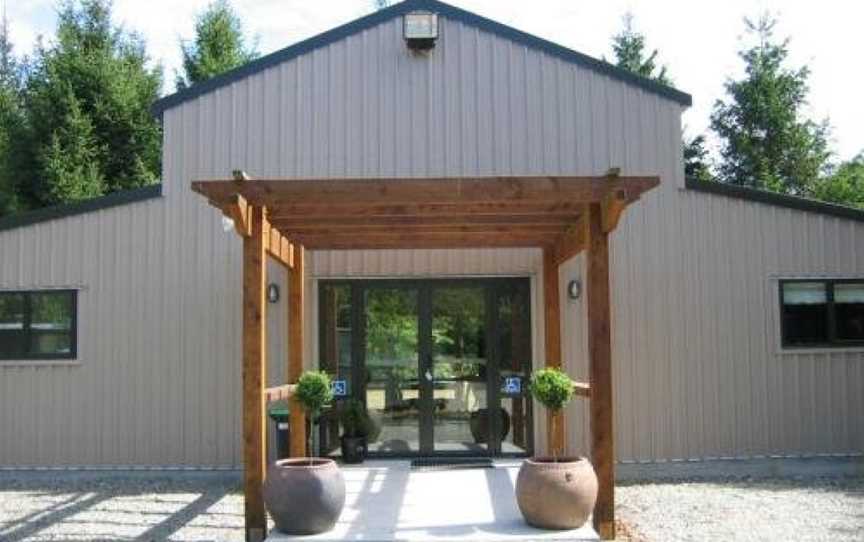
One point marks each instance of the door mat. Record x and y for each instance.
(447, 463)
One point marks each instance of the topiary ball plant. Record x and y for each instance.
(313, 393)
(553, 389)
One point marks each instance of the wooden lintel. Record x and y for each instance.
(238, 210)
(614, 204)
(278, 246)
(571, 242)
(280, 393)
(581, 389)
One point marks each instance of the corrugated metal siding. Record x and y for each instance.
(697, 372)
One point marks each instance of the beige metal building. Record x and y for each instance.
(711, 358)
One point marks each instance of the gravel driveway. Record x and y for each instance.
(745, 510)
(88, 506)
(189, 507)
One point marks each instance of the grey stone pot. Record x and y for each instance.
(556, 494)
(304, 498)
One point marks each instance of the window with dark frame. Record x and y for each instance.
(38, 325)
(822, 313)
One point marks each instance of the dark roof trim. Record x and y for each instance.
(445, 10)
(116, 199)
(773, 198)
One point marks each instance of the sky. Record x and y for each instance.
(697, 40)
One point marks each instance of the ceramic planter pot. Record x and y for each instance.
(556, 495)
(304, 498)
(479, 424)
(353, 449)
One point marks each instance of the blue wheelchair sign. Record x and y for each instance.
(513, 385)
(339, 388)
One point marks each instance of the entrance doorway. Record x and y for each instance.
(440, 364)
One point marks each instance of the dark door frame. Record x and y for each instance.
(494, 288)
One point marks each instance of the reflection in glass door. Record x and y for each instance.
(459, 369)
(391, 359)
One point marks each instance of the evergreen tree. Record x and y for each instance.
(844, 184)
(765, 142)
(629, 49)
(219, 45)
(11, 118)
(696, 159)
(87, 100)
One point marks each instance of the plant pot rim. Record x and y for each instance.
(548, 461)
(303, 463)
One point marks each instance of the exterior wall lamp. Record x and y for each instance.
(420, 29)
(273, 292)
(574, 289)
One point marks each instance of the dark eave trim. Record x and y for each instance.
(446, 11)
(45, 214)
(773, 198)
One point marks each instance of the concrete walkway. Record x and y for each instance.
(386, 500)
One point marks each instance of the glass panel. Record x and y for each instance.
(849, 311)
(392, 391)
(514, 329)
(335, 347)
(459, 369)
(12, 336)
(805, 315)
(51, 323)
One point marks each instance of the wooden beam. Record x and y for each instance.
(293, 223)
(279, 393)
(269, 192)
(555, 423)
(571, 242)
(296, 282)
(542, 230)
(421, 210)
(613, 206)
(581, 389)
(396, 239)
(277, 245)
(254, 374)
(600, 368)
(238, 211)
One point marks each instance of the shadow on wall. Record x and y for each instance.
(116, 507)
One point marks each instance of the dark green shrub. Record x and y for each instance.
(313, 392)
(552, 388)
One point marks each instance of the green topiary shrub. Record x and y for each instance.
(313, 392)
(552, 388)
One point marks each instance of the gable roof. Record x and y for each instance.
(397, 10)
(116, 199)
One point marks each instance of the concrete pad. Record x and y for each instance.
(386, 500)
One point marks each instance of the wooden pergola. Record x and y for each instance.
(281, 218)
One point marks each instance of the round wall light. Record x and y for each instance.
(574, 289)
(272, 292)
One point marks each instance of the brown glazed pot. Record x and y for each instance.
(304, 498)
(556, 495)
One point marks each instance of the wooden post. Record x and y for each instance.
(555, 423)
(600, 354)
(254, 375)
(295, 349)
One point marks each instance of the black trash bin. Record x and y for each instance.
(279, 413)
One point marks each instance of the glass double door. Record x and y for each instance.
(439, 364)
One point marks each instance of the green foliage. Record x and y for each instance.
(88, 128)
(844, 184)
(355, 420)
(629, 49)
(313, 392)
(391, 326)
(696, 159)
(552, 388)
(11, 120)
(219, 45)
(765, 142)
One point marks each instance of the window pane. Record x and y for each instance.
(805, 315)
(12, 336)
(849, 311)
(336, 334)
(51, 323)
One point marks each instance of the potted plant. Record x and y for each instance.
(306, 495)
(356, 426)
(555, 492)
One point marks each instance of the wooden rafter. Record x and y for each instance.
(237, 209)
(280, 393)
